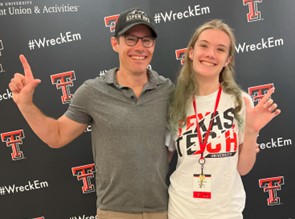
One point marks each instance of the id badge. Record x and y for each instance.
(202, 186)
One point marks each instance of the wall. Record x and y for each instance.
(69, 40)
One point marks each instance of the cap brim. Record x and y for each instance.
(125, 29)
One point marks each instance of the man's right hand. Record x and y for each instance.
(23, 86)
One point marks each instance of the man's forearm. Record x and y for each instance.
(45, 128)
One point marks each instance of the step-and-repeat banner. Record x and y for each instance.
(68, 41)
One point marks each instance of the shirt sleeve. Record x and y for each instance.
(78, 108)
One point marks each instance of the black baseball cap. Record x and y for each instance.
(132, 17)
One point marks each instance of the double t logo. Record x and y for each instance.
(254, 14)
(272, 185)
(13, 139)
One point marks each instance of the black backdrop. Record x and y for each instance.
(69, 40)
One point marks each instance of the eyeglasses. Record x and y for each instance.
(147, 42)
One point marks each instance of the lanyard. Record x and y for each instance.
(203, 143)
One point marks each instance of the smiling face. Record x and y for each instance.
(210, 54)
(134, 59)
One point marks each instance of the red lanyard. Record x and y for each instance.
(203, 143)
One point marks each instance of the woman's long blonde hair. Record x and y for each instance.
(187, 86)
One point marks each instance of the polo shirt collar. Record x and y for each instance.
(153, 78)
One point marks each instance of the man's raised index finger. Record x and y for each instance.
(27, 68)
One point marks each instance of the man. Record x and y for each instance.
(127, 110)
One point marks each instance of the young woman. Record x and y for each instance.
(215, 129)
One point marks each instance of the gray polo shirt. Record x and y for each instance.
(127, 140)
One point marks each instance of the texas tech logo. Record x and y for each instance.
(257, 92)
(85, 173)
(254, 14)
(272, 186)
(111, 21)
(180, 53)
(14, 140)
(64, 81)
